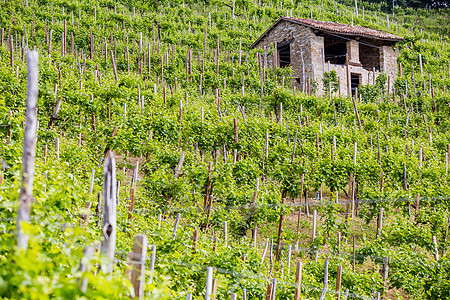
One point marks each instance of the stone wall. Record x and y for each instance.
(300, 46)
(388, 62)
(353, 51)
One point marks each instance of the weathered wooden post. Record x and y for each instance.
(380, 222)
(138, 265)
(325, 281)
(280, 231)
(29, 150)
(209, 283)
(298, 281)
(87, 255)
(109, 211)
(338, 282)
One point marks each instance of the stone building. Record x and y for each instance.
(357, 54)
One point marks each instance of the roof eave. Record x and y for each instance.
(326, 31)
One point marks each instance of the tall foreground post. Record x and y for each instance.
(109, 212)
(29, 150)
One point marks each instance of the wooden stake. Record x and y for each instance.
(194, 241)
(209, 283)
(298, 281)
(338, 282)
(236, 138)
(300, 206)
(325, 282)
(131, 207)
(314, 225)
(356, 113)
(280, 231)
(380, 222)
(109, 217)
(269, 291)
(138, 265)
(29, 150)
(84, 263)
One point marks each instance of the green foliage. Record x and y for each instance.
(330, 82)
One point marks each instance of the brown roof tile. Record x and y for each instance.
(343, 29)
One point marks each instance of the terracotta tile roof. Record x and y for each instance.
(343, 29)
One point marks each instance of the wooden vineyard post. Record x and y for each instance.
(405, 184)
(180, 165)
(300, 206)
(236, 138)
(298, 281)
(349, 198)
(274, 288)
(131, 207)
(225, 233)
(385, 270)
(353, 198)
(280, 231)
(45, 154)
(85, 216)
(152, 263)
(325, 281)
(91, 186)
(339, 242)
(252, 207)
(356, 113)
(57, 147)
(214, 288)
(380, 222)
(436, 252)
(109, 212)
(87, 255)
(354, 254)
(209, 283)
(175, 226)
(269, 291)
(338, 282)
(314, 225)
(417, 204)
(208, 187)
(138, 265)
(29, 150)
(113, 60)
(194, 240)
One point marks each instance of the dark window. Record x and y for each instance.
(335, 49)
(355, 81)
(369, 57)
(285, 55)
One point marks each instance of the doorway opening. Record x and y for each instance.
(355, 81)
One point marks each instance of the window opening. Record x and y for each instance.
(369, 57)
(284, 51)
(335, 49)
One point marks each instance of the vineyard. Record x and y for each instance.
(164, 159)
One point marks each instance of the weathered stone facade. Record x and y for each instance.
(365, 58)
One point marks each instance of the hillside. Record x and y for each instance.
(160, 118)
